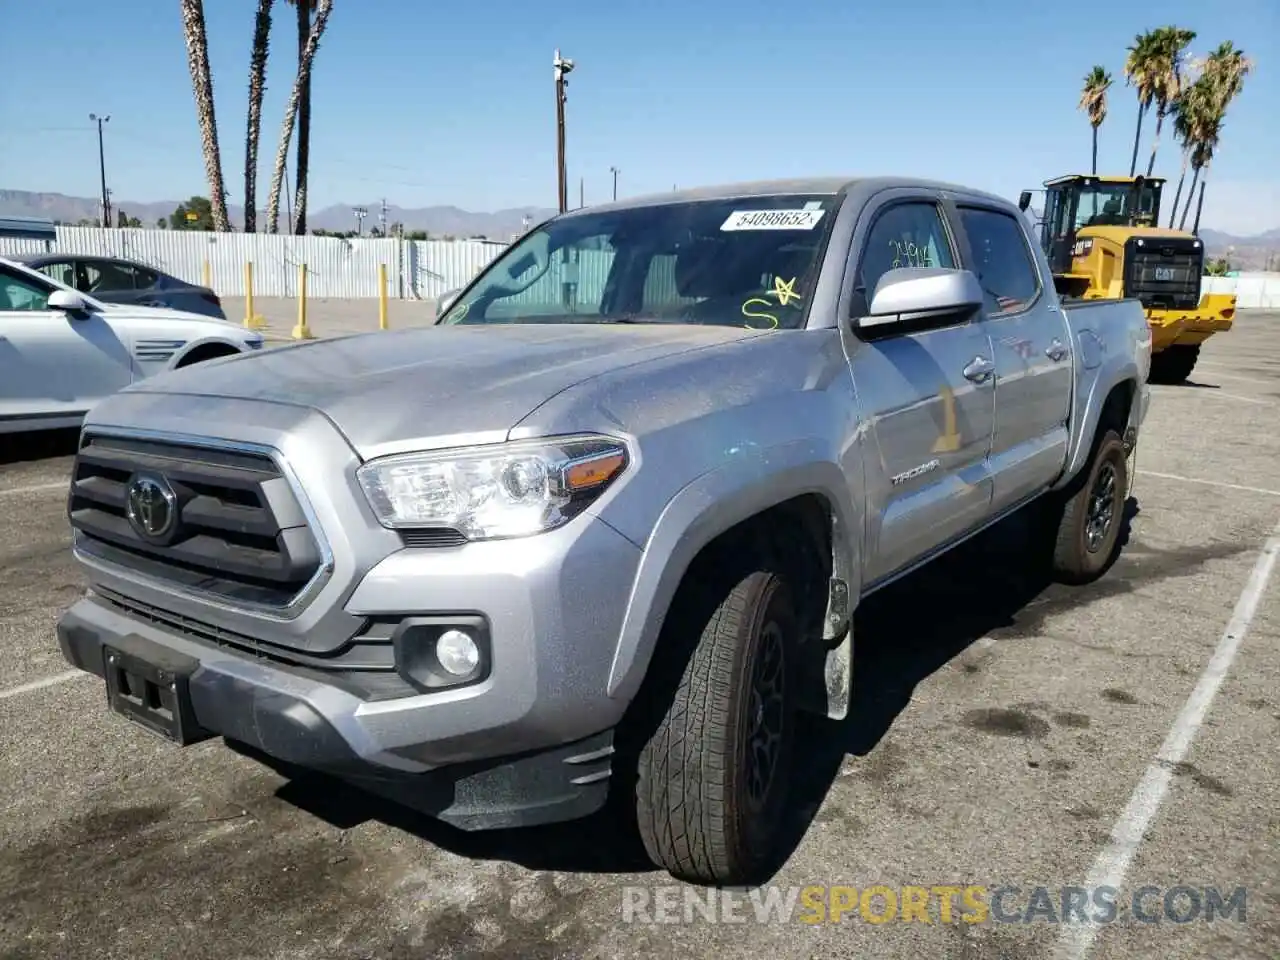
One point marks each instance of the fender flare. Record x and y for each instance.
(1087, 412)
(701, 511)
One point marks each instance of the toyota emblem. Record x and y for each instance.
(151, 506)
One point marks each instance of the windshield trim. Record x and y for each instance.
(813, 272)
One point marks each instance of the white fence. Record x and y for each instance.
(416, 269)
(1258, 291)
(336, 267)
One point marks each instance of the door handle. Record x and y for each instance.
(1056, 351)
(979, 369)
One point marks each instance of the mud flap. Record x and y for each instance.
(838, 673)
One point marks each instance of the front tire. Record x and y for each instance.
(1089, 527)
(712, 780)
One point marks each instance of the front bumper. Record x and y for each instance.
(296, 721)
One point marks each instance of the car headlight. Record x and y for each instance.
(500, 490)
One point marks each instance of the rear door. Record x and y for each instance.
(931, 423)
(1032, 345)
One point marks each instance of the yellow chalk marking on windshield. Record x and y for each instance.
(773, 321)
(785, 290)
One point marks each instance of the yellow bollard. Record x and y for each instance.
(382, 296)
(206, 275)
(302, 331)
(251, 319)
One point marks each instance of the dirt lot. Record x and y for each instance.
(1004, 734)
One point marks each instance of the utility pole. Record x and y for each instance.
(102, 169)
(360, 213)
(563, 67)
(582, 192)
(614, 171)
(382, 218)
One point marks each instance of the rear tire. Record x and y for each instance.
(712, 780)
(1173, 365)
(1089, 527)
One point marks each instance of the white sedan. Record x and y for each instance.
(61, 351)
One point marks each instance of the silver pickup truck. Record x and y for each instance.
(602, 529)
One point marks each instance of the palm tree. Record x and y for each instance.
(305, 59)
(1169, 64)
(1139, 70)
(1225, 70)
(303, 8)
(1093, 100)
(257, 89)
(1189, 111)
(202, 87)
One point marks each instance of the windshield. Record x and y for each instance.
(1117, 204)
(740, 262)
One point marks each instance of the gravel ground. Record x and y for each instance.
(1000, 729)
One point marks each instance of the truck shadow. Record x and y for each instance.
(905, 633)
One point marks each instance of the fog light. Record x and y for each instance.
(457, 652)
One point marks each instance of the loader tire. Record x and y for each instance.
(1173, 365)
(712, 779)
(1092, 514)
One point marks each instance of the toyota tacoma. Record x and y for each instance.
(600, 531)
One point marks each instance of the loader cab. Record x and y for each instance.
(1077, 201)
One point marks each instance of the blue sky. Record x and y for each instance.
(432, 102)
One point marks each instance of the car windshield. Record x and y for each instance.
(738, 262)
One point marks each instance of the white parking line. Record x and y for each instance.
(1236, 376)
(1208, 483)
(41, 684)
(1219, 395)
(1113, 862)
(38, 488)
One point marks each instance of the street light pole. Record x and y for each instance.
(563, 66)
(102, 168)
(614, 171)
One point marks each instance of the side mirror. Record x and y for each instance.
(67, 300)
(446, 301)
(1024, 200)
(920, 294)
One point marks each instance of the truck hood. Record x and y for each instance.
(435, 387)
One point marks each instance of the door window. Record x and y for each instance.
(1001, 260)
(905, 235)
(21, 293)
(106, 277)
(62, 270)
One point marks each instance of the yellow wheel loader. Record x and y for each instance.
(1101, 237)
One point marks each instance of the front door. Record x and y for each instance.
(928, 398)
(52, 364)
(1032, 345)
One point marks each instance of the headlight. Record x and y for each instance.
(503, 490)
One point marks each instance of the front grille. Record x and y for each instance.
(239, 533)
(1164, 273)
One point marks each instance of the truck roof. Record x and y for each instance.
(799, 185)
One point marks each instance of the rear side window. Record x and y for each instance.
(1001, 260)
(106, 277)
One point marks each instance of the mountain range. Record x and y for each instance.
(437, 221)
(1245, 253)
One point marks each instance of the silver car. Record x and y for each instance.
(116, 280)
